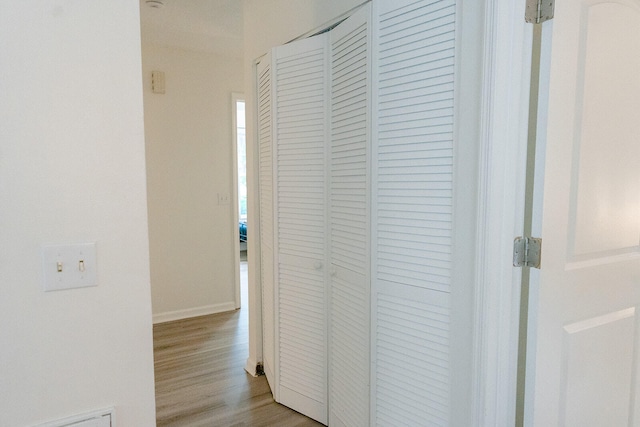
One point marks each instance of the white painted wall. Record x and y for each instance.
(268, 24)
(72, 169)
(189, 162)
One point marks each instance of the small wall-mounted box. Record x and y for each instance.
(157, 82)
(69, 266)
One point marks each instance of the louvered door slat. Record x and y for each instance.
(349, 223)
(301, 130)
(413, 211)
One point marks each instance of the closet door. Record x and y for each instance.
(265, 180)
(349, 222)
(300, 80)
(412, 211)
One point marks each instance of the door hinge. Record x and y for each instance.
(527, 252)
(538, 11)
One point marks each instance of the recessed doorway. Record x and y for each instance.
(240, 189)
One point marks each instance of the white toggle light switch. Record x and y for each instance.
(69, 266)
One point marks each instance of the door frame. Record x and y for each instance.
(253, 365)
(235, 97)
(501, 196)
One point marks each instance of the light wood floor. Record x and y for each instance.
(201, 381)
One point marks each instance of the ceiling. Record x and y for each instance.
(204, 25)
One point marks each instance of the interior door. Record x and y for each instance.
(300, 130)
(412, 211)
(583, 346)
(423, 212)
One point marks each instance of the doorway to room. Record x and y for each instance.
(240, 189)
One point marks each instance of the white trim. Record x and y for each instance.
(193, 312)
(467, 125)
(83, 417)
(275, 387)
(501, 178)
(372, 205)
(251, 367)
(253, 221)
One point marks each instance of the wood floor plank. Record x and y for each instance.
(201, 381)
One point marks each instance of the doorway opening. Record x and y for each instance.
(240, 190)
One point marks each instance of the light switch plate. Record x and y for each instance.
(69, 266)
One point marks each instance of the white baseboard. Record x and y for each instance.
(193, 312)
(94, 418)
(251, 366)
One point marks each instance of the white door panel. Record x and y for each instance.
(604, 213)
(300, 130)
(349, 295)
(412, 211)
(585, 297)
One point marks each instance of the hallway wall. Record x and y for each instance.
(72, 171)
(189, 162)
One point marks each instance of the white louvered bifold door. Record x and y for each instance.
(412, 211)
(265, 182)
(349, 222)
(300, 79)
